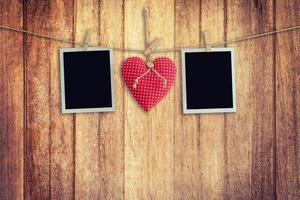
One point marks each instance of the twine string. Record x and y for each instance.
(148, 55)
(165, 81)
(146, 14)
(64, 41)
(240, 39)
(136, 81)
(215, 44)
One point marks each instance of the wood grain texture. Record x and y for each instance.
(237, 126)
(61, 126)
(37, 55)
(257, 115)
(137, 126)
(161, 154)
(111, 125)
(11, 102)
(287, 102)
(212, 127)
(87, 133)
(262, 106)
(187, 139)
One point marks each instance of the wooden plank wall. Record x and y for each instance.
(163, 154)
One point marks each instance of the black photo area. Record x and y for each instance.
(208, 80)
(87, 79)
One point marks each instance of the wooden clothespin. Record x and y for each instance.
(207, 41)
(87, 39)
(152, 46)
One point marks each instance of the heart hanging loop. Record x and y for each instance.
(148, 50)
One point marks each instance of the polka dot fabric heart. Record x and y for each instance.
(150, 88)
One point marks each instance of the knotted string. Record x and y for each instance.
(148, 55)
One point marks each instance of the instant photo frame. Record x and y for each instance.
(208, 80)
(87, 80)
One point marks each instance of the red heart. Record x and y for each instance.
(150, 88)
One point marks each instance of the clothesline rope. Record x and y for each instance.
(215, 44)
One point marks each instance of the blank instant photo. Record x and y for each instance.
(87, 80)
(208, 80)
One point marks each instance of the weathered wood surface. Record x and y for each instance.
(12, 107)
(163, 154)
(287, 73)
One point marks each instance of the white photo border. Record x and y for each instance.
(210, 110)
(62, 82)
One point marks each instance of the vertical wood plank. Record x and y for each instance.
(250, 132)
(112, 130)
(238, 124)
(137, 124)
(11, 102)
(161, 25)
(287, 101)
(262, 106)
(61, 126)
(187, 158)
(87, 172)
(212, 126)
(38, 97)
